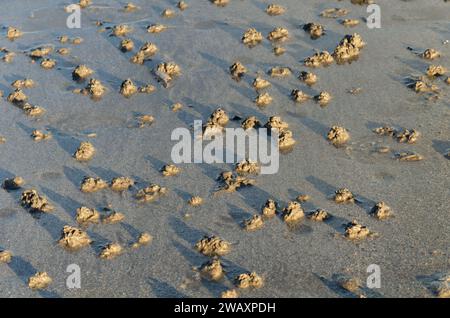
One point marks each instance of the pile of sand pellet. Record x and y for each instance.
(248, 280)
(111, 251)
(338, 135)
(323, 98)
(254, 223)
(269, 209)
(8, 56)
(350, 284)
(38, 135)
(182, 5)
(319, 59)
(231, 293)
(212, 270)
(308, 78)
(113, 218)
(213, 246)
(381, 211)
(13, 183)
(144, 53)
(40, 280)
(130, 7)
(252, 37)
(126, 45)
(220, 3)
(13, 33)
(441, 285)
(121, 184)
(343, 196)
(90, 184)
(334, 13)
(87, 215)
(34, 202)
(143, 239)
(150, 193)
(237, 70)
(356, 231)
(285, 138)
(422, 85)
(25, 83)
(251, 123)
(48, 64)
(85, 152)
(195, 201)
(81, 72)
(170, 170)
(216, 123)
(73, 238)
(303, 198)
(121, 30)
(156, 28)
(319, 215)
(263, 100)
(247, 167)
(349, 22)
(33, 110)
(232, 182)
(168, 13)
(278, 50)
(95, 89)
(430, 54)
(407, 136)
(315, 30)
(260, 83)
(408, 156)
(275, 9)
(280, 72)
(348, 49)
(5, 256)
(85, 3)
(299, 96)
(293, 212)
(167, 72)
(18, 97)
(436, 70)
(40, 52)
(145, 120)
(127, 88)
(278, 34)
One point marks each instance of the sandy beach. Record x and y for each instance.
(411, 248)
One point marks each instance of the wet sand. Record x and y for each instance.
(205, 40)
